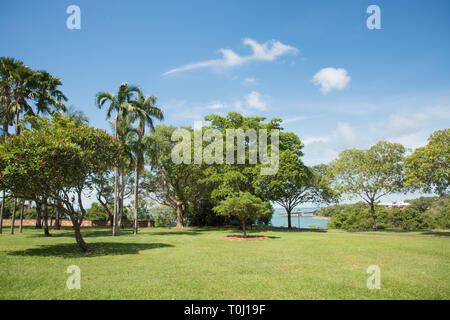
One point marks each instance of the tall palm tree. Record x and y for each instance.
(119, 103)
(144, 110)
(47, 94)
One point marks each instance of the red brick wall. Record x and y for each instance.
(86, 223)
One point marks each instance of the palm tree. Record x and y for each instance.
(47, 94)
(144, 110)
(76, 116)
(120, 103)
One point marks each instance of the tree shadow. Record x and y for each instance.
(176, 233)
(437, 233)
(68, 250)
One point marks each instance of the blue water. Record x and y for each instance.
(305, 222)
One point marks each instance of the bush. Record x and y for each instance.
(398, 219)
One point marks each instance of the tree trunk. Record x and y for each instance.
(38, 216)
(83, 245)
(136, 197)
(2, 210)
(21, 216)
(243, 221)
(46, 232)
(288, 211)
(121, 197)
(115, 229)
(179, 210)
(57, 225)
(372, 211)
(13, 217)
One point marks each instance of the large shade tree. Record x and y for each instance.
(428, 168)
(369, 174)
(294, 184)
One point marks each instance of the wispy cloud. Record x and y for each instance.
(267, 51)
(331, 79)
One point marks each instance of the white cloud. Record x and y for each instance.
(294, 119)
(249, 80)
(216, 106)
(268, 51)
(410, 129)
(254, 101)
(331, 79)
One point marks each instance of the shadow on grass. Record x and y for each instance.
(437, 233)
(68, 250)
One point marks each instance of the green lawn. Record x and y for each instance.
(197, 264)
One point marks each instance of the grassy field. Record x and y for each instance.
(198, 264)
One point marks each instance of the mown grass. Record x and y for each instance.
(197, 264)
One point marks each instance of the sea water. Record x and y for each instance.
(302, 222)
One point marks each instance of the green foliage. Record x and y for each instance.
(428, 168)
(96, 212)
(330, 211)
(163, 216)
(397, 219)
(243, 206)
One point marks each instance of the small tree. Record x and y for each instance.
(244, 206)
(428, 168)
(369, 174)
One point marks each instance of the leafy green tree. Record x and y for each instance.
(244, 206)
(369, 174)
(174, 185)
(293, 184)
(58, 158)
(428, 168)
(96, 212)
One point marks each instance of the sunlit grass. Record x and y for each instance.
(197, 264)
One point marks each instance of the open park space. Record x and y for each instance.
(195, 263)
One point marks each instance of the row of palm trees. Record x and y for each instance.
(129, 105)
(25, 91)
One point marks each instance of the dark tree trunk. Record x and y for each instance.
(372, 211)
(179, 209)
(2, 210)
(243, 221)
(21, 216)
(288, 211)
(13, 217)
(38, 215)
(46, 231)
(79, 238)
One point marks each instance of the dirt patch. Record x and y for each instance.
(241, 238)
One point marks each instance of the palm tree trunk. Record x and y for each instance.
(21, 216)
(136, 197)
(13, 217)
(121, 197)
(2, 210)
(116, 181)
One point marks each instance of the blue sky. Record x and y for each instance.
(389, 84)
